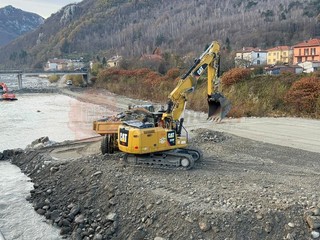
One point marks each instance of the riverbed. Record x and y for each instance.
(30, 117)
(38, 115)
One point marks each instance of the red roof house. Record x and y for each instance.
(307, 51)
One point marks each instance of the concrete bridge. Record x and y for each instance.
(31, 72)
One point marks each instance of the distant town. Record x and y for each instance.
(302, 57)
(58, 64)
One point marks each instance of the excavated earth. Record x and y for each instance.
(242, 189)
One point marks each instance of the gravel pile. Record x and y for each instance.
(241, 190)
(204, 135)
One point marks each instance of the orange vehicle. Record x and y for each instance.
(5, 94)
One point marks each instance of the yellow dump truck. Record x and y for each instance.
(108, 127)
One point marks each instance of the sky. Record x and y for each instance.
(42, 7)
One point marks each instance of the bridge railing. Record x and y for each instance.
(39, 71)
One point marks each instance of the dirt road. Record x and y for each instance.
(291, 132)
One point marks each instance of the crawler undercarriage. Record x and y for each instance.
(184, 158)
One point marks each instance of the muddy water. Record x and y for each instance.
(18, 220)
(36, 115)
(32, 116)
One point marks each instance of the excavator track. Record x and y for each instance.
(183, 159)
(196, 154)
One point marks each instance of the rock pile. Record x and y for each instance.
(205, 135)
(9, 153)
(242, 189)
(41, 142)
(312, 217)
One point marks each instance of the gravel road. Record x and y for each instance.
(290, 132)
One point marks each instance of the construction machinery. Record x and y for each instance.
(108, 127)
(160, 138)
(5, 94)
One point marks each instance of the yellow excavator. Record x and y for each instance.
(160, 138)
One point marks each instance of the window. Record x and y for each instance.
(284, 54)
(313, 51)
(306, 51)
(299, 59)
(258, 62)
(299, 52)
(258, 55)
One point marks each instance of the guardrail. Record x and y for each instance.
(34, 71)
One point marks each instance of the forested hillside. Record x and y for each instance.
(133, 27)
(15, 22)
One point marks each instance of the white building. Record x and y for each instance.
(114, 61)
(310, 66)
(57, 64)
(250, 57)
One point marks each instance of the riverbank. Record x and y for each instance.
(18, 220)
(242, 189)
(284, 95)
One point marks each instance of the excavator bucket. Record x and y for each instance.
(219, 107)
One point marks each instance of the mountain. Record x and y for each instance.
(133, 27)
(15, 22)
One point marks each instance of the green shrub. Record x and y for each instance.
(54, 78)
(77, 80)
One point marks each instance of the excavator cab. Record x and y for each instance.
(219, 107)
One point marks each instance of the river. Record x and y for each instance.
(30, 117)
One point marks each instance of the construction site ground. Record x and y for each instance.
(259, 179)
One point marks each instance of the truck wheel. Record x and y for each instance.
(104, 145)
(112, 143)
(108, 144)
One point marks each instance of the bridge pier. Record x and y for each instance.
(19, 81)
(86, 78)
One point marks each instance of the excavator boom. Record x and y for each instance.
(209, 62)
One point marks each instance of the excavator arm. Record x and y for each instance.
(218, 105)
(3, 87)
